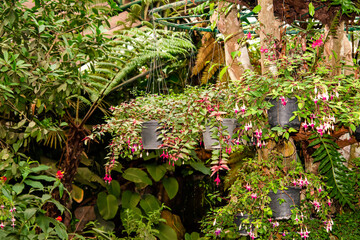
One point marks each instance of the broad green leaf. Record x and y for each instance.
(171, 186)
(114, 188)
(34, 184)
(130, 199)
(149, 204)
(18, 187)
(137, 176)
(156, 171)
(166, 232)
(29, 212)
(199, 166)
(107, 205)
(77, 193)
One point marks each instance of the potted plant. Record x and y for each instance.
(250, 195)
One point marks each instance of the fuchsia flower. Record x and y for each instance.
(264, 50)
(269, 219)
(304, 234)
(305, 125)
(248, 187)
(312, 124)
(248, 35)
(2, 225)
(218, 231)
(329, 202)
(275, 224)
(217, 180)
(317, 43)
(328, 225)
(248, 126)
(296, 218)
(283, 100)
(253, 196)
(243, 108)
(317, 205)
(108, 178)
(251, 234)
(320, 189)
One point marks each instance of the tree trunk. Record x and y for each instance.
(268, 26)
(230, 26)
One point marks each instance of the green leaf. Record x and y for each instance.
(353, 128)
(156, 171)
(149, 204)
(40, 168)
(18, 187)
(199, 166)
(311, 9)
(130, 199)
(34, 184)
(29, 212)
(137, 176)
(107, 205)
(165, 232)
(171, 186)
(114, 188)
(256, 9)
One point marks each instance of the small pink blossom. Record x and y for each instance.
(243, 108)
(317, 205)
(294, 182)
(264, 50)
(320, 189)
(251, 234)
(2, 225)
(248, 35)
(269, 219)
(248, 126)
(248, 187)
(275, 224)
(305, 125)
(329, 202)
(296, 218)
(328, 225)
(283, 100)
(253, 196)
(218, 231)
(217, 180)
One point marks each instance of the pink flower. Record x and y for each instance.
(248, 187)
(320, 189)
(317, 43)
(264, 50)
(305, 125)
(218, 231)
(248, 126)
(328, 225)
(312, 124)
(248, 35)
(107, 178)
(296, 218)
(217, 180)
(251, 234)
(253, 196)
(294, 182)
(2, 225)
(284, 234)
(329, 202)
(275, 224)
(269, 219)
(316, 204)
(283, 100)
(243, 108)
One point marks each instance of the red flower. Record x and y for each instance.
(59, 174)
(59, 218)
(3, 179)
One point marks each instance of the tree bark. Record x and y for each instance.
(269, 25)
(230, 26)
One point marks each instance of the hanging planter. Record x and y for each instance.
(150, 134)
(212, 143)
(243, 227)
(283, 201)
(280, 113)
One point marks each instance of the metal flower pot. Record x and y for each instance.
(211, 143)
(283, 201)
(280, 114)
(150, 134)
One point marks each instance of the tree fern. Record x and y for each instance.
(338, 176)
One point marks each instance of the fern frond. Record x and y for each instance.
(338, 176)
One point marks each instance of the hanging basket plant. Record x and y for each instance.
(226, 128)
(282, 113)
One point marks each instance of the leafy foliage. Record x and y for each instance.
(339, 177)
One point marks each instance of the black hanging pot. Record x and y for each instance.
(357, 134)
(283, 201)
(212, 143)
(243, 228)
(280, 114)
(150, 135)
